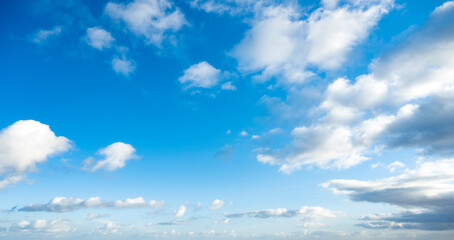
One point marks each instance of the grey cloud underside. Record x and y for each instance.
(430, 127)
(426, 194)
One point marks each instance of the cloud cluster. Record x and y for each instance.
(115, 156)
(23, 145)
(283, 44)
(152, 19)
(306, 212)
(405, 101)
(426, 193)
(64, 204)
(58, 225)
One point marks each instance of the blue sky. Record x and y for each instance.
(210, 119)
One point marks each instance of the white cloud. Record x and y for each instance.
(426, 193)
(283, 44)
(42, 35)
(116, 156)
(200, 75)
(123, 65)
(24, 144)
(216, 204)
(64, 204)
(228, 86)
(404, 102)
(180, 211)
(99, 38)
(58, 225)
(395, 165)
(244, 133)
(152, 19)
(308, 213)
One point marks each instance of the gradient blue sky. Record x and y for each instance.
(210, 119)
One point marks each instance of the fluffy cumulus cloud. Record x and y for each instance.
(115, 156)
(283, 44)
(200, 75)
(180, 211)
(216, 204)
(123, 65)
(99, 38)
(152, 19)
(405, 101)
(23, 145)
(64, 204)
(308, 213)
(426, 195)
(58, 225)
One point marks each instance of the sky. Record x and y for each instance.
(234, 119)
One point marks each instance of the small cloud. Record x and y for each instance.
(200, 75)
(228, 86)
(180, 211)
(116, 156)
(228, 132)
(42, 35)
(244, 133)
(394, 165)
(99, 38)
(216, 204)
(123, 65)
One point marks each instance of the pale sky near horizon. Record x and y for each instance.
(227, 119)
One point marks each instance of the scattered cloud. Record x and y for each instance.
(228, 86)
(64, 204)
(43, 35)
(180, 211)
(99, 38)
(23, 145)
(123, 65)
(116, 156)
(58, 225)
(216, 204)
(200, 75)
(152, 19)
(306, 212)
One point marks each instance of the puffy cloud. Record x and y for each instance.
(426, 193)
(216, 204)
(152, 19)
(180, 211)
(42, 35)
(200, 75)
(99, 38)
(123, 65)
(58, 225)
(64, 204)
(24, 144)
(116, 156)
(283, 44)
(308, 213)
